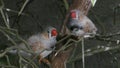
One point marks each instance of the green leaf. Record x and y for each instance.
(93, 2)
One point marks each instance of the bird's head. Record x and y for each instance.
(51, 32)
(80, 25)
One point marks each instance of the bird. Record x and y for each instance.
(80, 25)
(41, 43)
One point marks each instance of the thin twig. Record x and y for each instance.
(14, 11)
(67, 44)
(24, 5)
(73, 53)
(107, 40)
(31, 62)
(12, 48)
(83, 55)
(92, 51)
(109, 35)
(8, 60)
(16, 35)
(20, 59)
(8, 37)
(4, 18)
(7, 66)
(63, 39)
(3, 15)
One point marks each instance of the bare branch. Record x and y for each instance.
(95, 50)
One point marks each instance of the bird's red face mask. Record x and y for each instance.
(73, 14)
(54, 32)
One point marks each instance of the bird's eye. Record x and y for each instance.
(71, 28)
(74, 27)
(48, 31)
(80, 27)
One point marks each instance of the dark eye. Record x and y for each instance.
(71, 28)
(76, 28)
(80, 27)
(48, 31)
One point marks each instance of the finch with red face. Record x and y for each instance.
(80, 25)
(41, 43)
